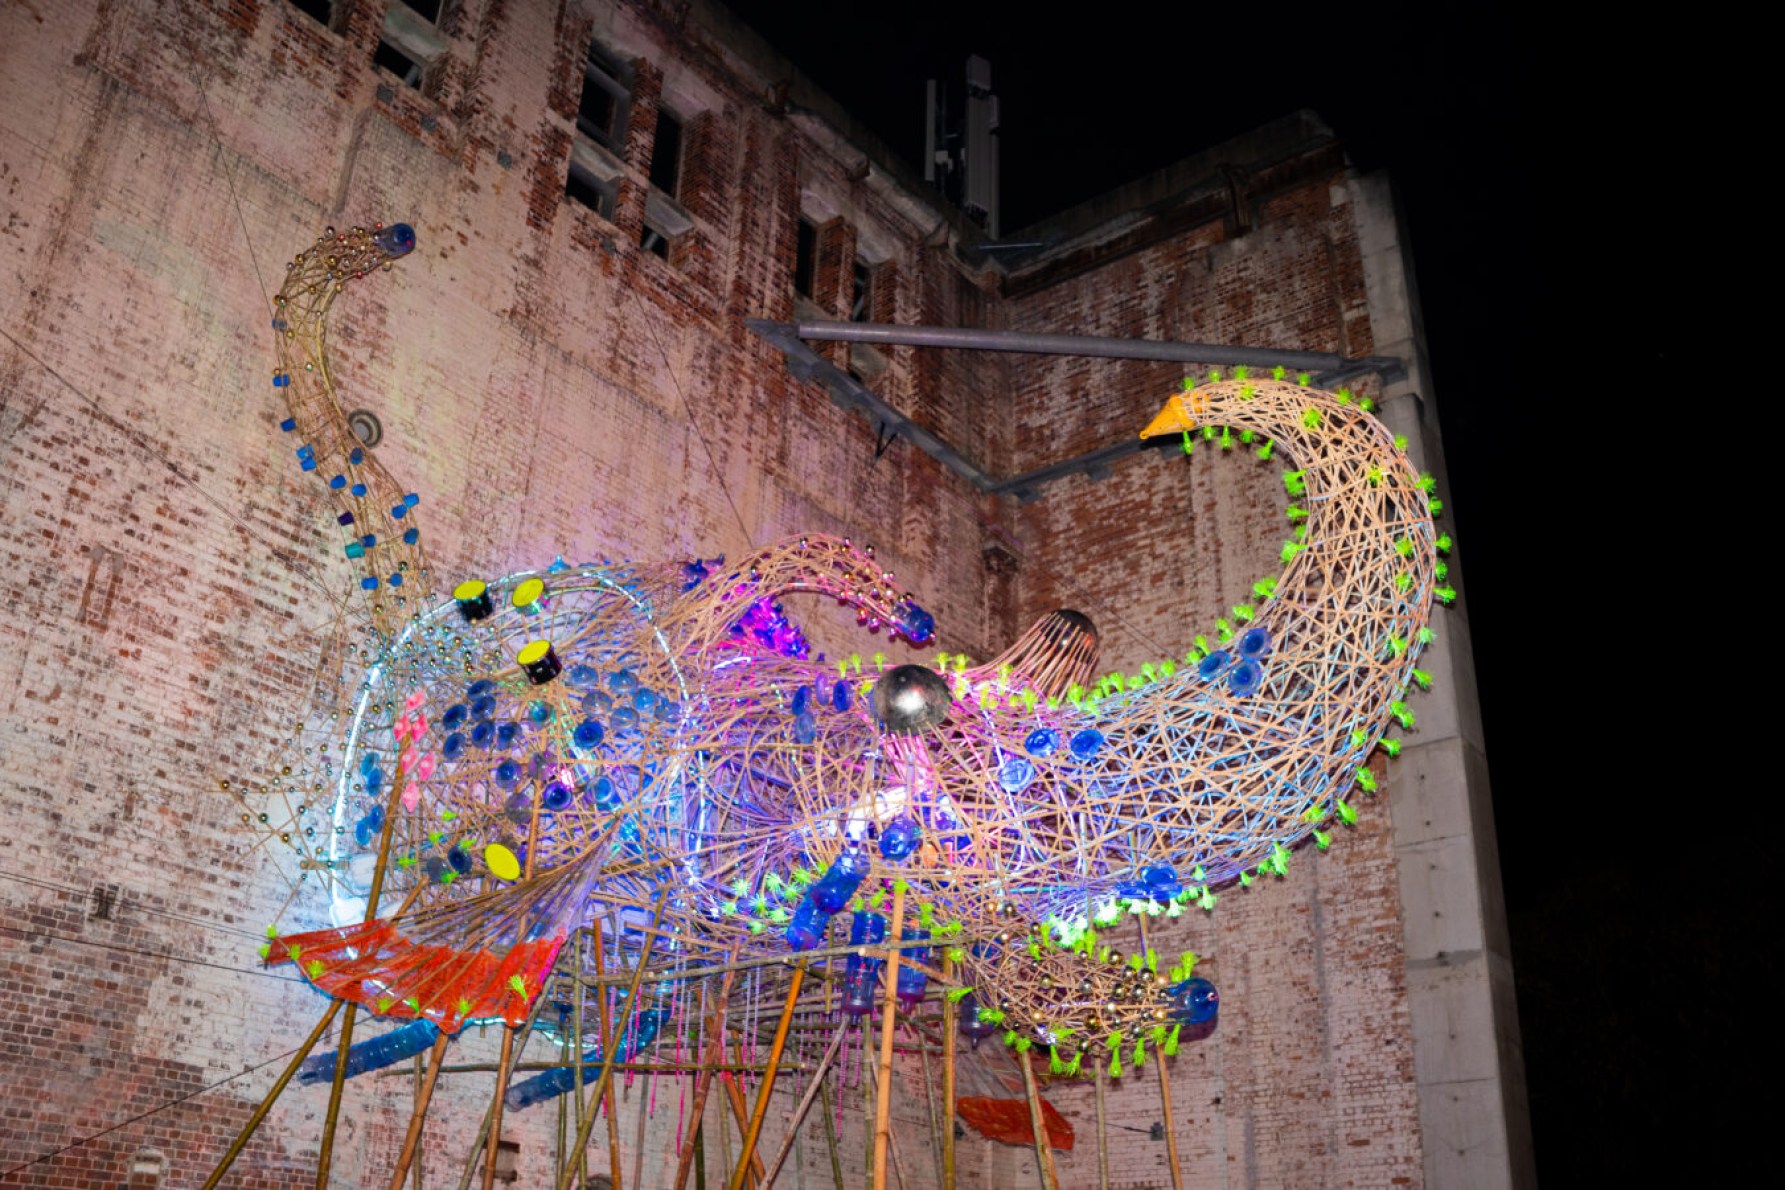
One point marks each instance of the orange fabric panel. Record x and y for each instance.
(1007, 1120)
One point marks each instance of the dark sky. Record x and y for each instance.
(1540, 163)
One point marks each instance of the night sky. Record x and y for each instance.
(1554, 236)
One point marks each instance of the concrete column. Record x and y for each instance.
(1468, 1060)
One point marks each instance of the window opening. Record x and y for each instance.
(389, 57)
(606, 100)
(666, 153)
(861, 303)
(321, 10)
(805, 259)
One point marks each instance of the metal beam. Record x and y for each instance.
(1032, 343)
(1328, 368)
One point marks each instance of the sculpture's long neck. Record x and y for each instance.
(376, 516)
(1345, 615)
(815, 564)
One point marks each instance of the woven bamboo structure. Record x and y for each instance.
(649, 748)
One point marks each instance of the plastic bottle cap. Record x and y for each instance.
(528, 593)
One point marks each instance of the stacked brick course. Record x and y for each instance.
(551, 389)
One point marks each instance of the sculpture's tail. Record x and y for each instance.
(480, 959)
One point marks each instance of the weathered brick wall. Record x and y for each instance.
(548, 388)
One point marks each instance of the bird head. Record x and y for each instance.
(1180, 415)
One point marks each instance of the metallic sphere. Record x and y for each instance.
(911, 698)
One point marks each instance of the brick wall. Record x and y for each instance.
(549, 388)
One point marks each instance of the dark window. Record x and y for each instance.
(606, 101)
(427, 10)
(322, 10)
(805, 259)
(389, 57)
(598, 195)
(861, 303)
(654, 241)
(666, 153)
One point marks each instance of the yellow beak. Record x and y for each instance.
(1175, 418)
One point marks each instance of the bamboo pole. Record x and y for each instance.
(483, 1132)
(704, 1079)
(929, 1094)
(768, 1079)
(1102, 1134)
(493, 1145)
(493, 1142)
(805, 1104)
(830, 1129)
(579, 1158)
(421, 1111)
(638, 1137)
(824, 952)
(266, 1104)
(1044, 1160)
(890, 1009)
(325, 1154)
(413, 1103)
(948, 1047)
(735, 1098)
(604, 1022)
(607, 1059)
(1171, 1135)
(619, 1067)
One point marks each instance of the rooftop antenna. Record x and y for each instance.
(961, 155)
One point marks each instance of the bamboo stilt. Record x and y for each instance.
(948, 1047)
(489, 1115)
(413, 1137)
(883, 1081)
(325, 1154)
(704, 1080)
(605, 1023)
(579, 1157)
(272, 1096)
(1171, 1136)
(638, 1137)
(768, 1079)
(1044, 1159)
(1102, 1135)
(805, 1104)
(415, 1102)
(929, 1095)
(607, 1059)
(830, 1131)
(493, 1143)
(735, 1098)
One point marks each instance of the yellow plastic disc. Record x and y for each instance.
(528, 593)
(471, 588)
(533, 651)
(503, 864)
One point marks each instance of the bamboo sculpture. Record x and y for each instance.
(650, 745)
